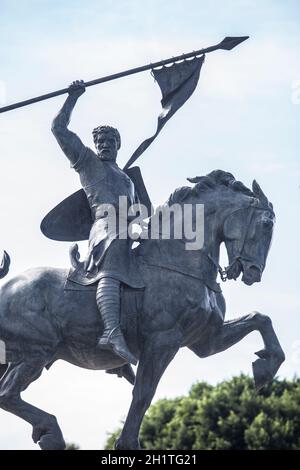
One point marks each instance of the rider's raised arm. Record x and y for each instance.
(68, 140)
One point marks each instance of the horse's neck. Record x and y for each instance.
(202, 255)
(175, 253)
(218, 204)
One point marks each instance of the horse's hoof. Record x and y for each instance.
(50, 441)
(266, 367)
(261, 373)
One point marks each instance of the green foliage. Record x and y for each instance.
(231, 415)
(72, 446)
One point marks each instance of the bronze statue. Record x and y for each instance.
(154, 298)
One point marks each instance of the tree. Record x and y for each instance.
(230, 415)
(72, 446)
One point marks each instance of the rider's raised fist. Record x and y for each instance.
(77, 88)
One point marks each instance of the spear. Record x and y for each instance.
(227, 44)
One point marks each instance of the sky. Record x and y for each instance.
(242, 118)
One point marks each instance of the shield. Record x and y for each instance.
(71, 220)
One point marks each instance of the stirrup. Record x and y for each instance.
(125, 371)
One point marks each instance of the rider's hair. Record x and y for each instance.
(107, 129)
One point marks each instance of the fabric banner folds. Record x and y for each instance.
(177, 84)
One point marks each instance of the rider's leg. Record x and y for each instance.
(108, 301)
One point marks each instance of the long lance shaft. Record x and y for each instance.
(228, 43)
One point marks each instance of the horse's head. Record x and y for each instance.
(233, 214)
(247, 233)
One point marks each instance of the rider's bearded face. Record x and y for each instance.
(106, 145)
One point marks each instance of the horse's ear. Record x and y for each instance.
(196, 179)
(202, 182)
(258, 192)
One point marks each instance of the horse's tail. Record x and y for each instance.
(4, 267)
(74, 255)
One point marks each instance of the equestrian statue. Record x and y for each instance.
(133, 300)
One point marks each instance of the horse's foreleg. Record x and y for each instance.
(158, 351)
(16, 379)
(271, 357)
(233, 331)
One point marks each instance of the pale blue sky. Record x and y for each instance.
(241, 118)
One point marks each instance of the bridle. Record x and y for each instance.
(241, 242)
(223, 271)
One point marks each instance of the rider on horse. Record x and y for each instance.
(109, 261)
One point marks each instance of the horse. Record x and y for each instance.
(181, 305)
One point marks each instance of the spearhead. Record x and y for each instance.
(229, 42)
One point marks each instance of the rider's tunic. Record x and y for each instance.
(108, 253)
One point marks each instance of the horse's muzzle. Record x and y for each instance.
(251, 274)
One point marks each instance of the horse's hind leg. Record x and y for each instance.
(233, 331)
(16, 379)
(158, 351)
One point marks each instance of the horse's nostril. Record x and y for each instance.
(251, 274)
(254, 272)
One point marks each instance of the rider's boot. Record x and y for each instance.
(108, 301)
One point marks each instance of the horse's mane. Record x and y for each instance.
(212, 180)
